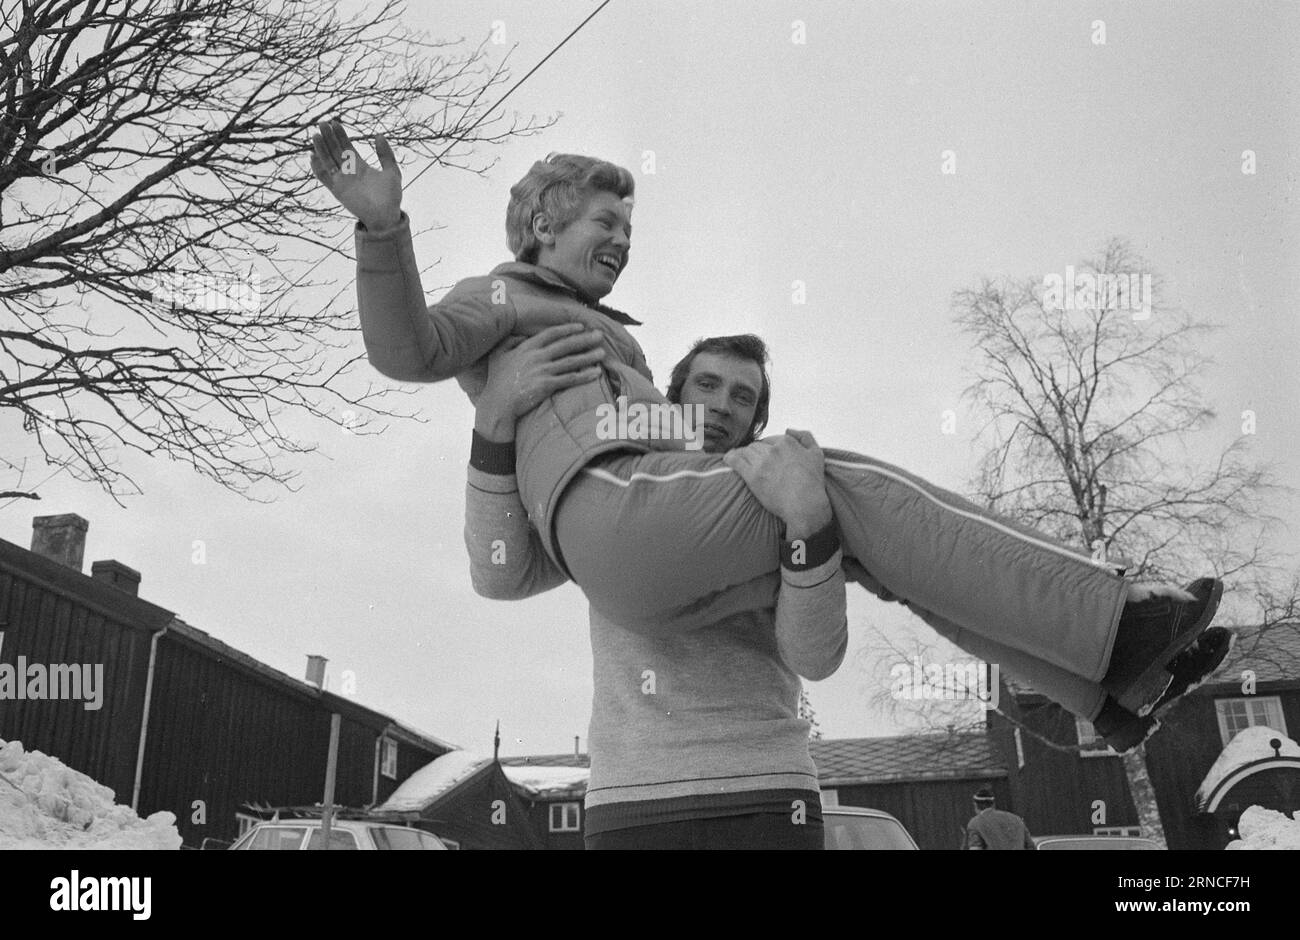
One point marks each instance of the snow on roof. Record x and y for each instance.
(1262, 828)
(541, 780)
(433, 780)
(1250, 744)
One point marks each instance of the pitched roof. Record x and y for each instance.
(435, 780)
(840, 762)
(943, 756)
(547, 760)
(538, 781)
(1273, 654)
(125, 609)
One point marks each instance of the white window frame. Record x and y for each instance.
(245, 822)
(388, 758)
(1091, 743)
(1270, 705)
(569, 812)
(830, 798)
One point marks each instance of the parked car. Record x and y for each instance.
(295, 835)
(1095, 843)
(857, 827)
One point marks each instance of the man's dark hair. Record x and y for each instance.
(743, 346)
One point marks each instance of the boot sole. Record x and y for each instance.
(1149, 687)
(1133, 734)
(1172, 695)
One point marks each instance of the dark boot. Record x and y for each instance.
(1122, 729)
(1151, 634)
(1197, 663)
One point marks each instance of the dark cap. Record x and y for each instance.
(984, 795)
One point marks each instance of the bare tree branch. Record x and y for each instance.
(154, 185)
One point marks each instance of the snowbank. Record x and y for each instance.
(1250, 744)
(1261, 828)
(45, 804)
(434, 779)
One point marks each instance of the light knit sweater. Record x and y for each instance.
(695, 724)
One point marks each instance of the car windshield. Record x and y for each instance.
(851, 831)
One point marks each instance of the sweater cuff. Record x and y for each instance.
(817, 549)
(496, 457)
(383, 252)
(403, 220)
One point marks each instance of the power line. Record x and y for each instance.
(481, 118)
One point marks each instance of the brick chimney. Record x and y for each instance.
(60, 538)
(117, 574)
(316, 670)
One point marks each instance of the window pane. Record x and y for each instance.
(279, 838)
(401, 839)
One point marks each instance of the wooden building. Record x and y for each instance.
(1082, 787)
(926, 780)
(176, 720)
(552, 788)
(466, 799)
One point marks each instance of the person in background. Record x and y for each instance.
(993, 828)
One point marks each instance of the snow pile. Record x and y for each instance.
(547, 780)
(1249, 745)
(433, 780)
(44, 804)
(1261, 828)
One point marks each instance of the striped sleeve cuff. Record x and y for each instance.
(817, 549)
(496, 457)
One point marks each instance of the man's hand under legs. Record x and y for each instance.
(786, 474)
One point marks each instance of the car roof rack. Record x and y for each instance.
(272, 813)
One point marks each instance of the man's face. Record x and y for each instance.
(728, 387)
(592, 250)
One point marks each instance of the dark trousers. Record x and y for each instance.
(755, 831)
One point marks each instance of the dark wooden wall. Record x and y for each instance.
(1183, 751)
(222, 731)
(46, 623)
(1061, 792)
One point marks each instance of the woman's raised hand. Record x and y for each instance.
(373, 195)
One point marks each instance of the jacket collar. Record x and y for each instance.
(534, 274)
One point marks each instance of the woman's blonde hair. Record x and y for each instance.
(559, 186)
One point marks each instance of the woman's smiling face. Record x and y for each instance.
(592, 250)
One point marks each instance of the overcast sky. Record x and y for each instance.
(774, 161)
